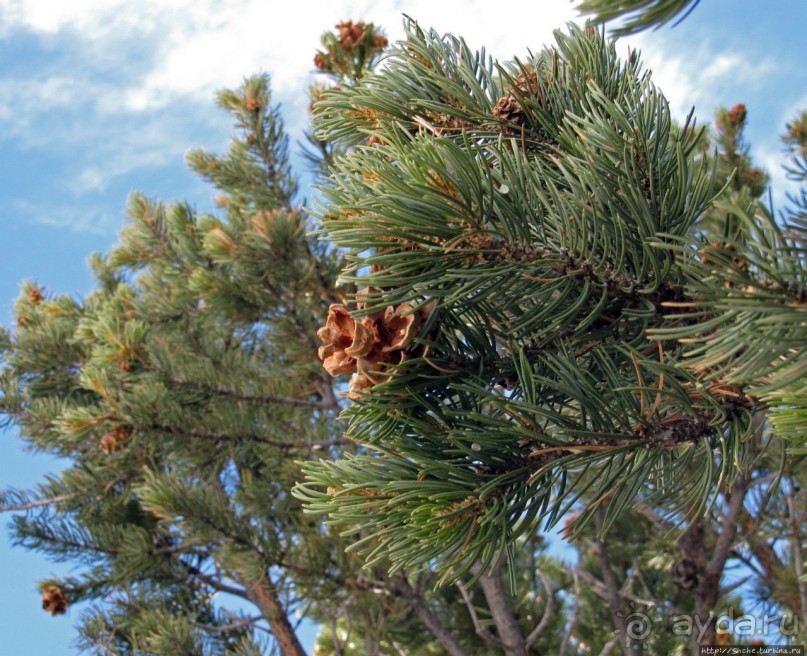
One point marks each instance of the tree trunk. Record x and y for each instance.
(710, 567)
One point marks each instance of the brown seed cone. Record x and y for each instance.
(321, 62)
(350, 34)
(114, 439)
(35, 296)
(737, 114)
(54, 600)
(508, 109)
(527, 83)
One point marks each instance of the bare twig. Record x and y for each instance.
(575, 613)
(329, 403)
(415, 600)
(226, 437)
(614, 598)
(728, 532)
(549, 608)
(228, 627)
(609, 646)
(481, 631)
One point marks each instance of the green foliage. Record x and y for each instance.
(638, 15)
(538, 209)
(555, 304)
(181, 392)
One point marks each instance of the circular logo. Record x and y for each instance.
(642, 624)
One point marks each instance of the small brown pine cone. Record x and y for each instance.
(321, 62)
(253, 104)
(380, 42)
(54, 600)
(35, 296)
(527, 83)
(508, 109)
(737, 114)
(123, 433)
(108, 444)
(114, 439)
(350, 34)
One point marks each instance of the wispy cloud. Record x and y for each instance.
(127, 86)
(64, 217)
(702, 77)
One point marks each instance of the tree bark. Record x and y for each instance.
(415, 601)
(710, 569)
(798, 559)
(263, 594)
(513, 641)
(608, 578)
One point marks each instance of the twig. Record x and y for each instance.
(728, 532)
(548, 610)
(575, 613)
(614, 598)
(609, 646)
(481, 631)
(228, 627)
(258, 398)
(38, 504)
(221, 437)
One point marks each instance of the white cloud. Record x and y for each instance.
(205, 44)
(703, 77)
(65, 217)
(126, 81)
(128, 84)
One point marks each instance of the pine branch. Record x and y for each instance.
(235, 626)
(247, 437)
(258, 398)
(38, 503)
(728, 529)
(638, 15)
(549, 609)
(429, 619)
(795, 522)
(481, 631)
(575, 619)
(501, 609)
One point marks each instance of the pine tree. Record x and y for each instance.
(560, 306)
(183, 393)
(542, 301)
(180, 419)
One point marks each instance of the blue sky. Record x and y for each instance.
(99, 98)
